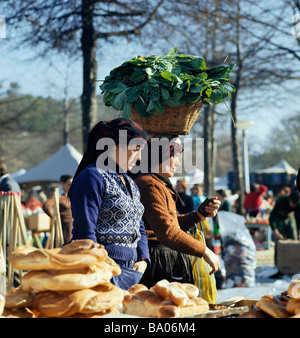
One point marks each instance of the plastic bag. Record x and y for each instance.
(205, 282)
(239, 250)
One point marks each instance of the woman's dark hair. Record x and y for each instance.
(222, 192)
(253, 187)
(294, 197)
(109, 129)
(3, 168)
(65, 178)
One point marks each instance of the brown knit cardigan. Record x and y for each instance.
(162, 222)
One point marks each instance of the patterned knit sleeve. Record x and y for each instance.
(86, 195)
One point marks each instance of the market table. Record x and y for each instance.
(262, 226)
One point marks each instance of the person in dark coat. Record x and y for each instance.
(7, 183)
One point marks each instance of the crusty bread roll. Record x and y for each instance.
(149, 304)
(144, 304)
(293, 306)
(77, 254)
(87, 301)
(173, 291)
(195, 305)
(191, 290)
(162, 289)
(272, 306)
(17, 297)
(67, 280)
(296, 316)
(294, 289)
(178, 295)
(168, 309)
(137, 288)
(18, 312)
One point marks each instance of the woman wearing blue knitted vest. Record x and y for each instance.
(105, 201)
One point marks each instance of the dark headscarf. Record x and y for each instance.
(166, 149)
(109, 129)
(156, 149)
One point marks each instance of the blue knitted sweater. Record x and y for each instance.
(104, 210)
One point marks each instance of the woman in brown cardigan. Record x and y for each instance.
(169, 244)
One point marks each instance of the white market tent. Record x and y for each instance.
(196, 176)
(280, 168)
(63, 162)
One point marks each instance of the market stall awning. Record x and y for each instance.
(63, 162)
(280, 168)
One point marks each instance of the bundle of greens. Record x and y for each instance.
(152, 82)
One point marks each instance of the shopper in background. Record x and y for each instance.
(253, 200)
(64, 207)
(285, 218)
(197, 195)
(226, 205)
(7, 183)
(184, 203)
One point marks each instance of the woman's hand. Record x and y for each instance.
(277, 234)
(140, 266)
(212, 259)
(212, 208)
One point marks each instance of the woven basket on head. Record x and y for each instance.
(175, 120)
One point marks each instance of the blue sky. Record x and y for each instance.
(48, 76)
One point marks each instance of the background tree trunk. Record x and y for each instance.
(209, 149)
(89, 46)
(237, 170)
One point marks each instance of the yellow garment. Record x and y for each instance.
(205, 227)
(205, 282)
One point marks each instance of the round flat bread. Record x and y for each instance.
(65, 304)
(77, 254)
(17, 297)
(54, 280)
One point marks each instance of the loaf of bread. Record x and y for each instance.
(17, 297)
(67, 280)
(162, 289)
(75, 255)
(272, 306)
(164, 300)
(294, 289)
(293, 306)
(143, 303)
(178, 292)
(97, 300)
(19, 312)
(195, 305)
(137, 288)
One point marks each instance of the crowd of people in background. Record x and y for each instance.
(281, 210)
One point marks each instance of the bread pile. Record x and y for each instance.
(285, 306)
(293, 305)
(63, 282)
(164, 300)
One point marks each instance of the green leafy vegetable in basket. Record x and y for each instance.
(152, 82)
